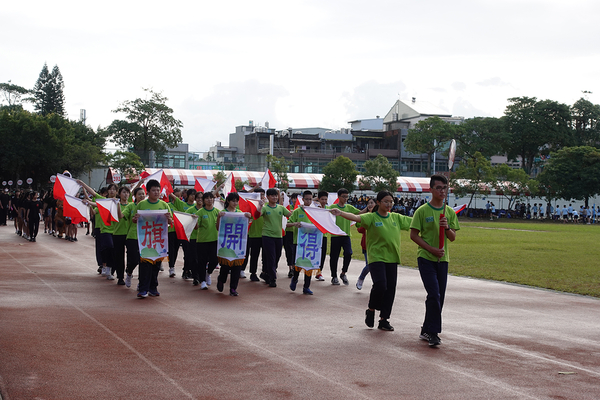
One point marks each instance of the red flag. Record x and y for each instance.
(458, 209)
(184, 224)
(108, 210)
(323, 220)
(75, 209)
(65, 185)
(203, 185)
(165, 186)
(229, 185)
(268, 181)
(332, 198)
(249, 203)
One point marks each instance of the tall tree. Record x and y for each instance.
(126, 162)
(48, 92)
(474, 177)
(484, 135)
(572, 173)
(381, 175)
(586, 123)
(513, 183)
(429, 136)
(535, 128)
(339, 173)
(13, 93)
(149, 125)
(279, 166)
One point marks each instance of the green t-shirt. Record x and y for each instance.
(128, 213)
(255, 230)
(207, 225)
(383, 235)
(427, 221)
(342, 222)
(299, 215)
(121, 227)
(273, 220)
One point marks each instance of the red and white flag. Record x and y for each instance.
(75, 209)
(108, 210)
(204, 185)
(268, 181)
(229, 185)
(249, 202)
(332, 198)
(219, 205)
(65, 185)
(458, 209)
(324, 220)
(247, 187)
(184, 224)
(165, 186)
(286, 201)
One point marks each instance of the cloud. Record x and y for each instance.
(459, 86)
(230, 104)
(495, 81)
(372, 98)
(464, 108)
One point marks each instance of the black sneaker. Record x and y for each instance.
(434, 340)
(384, 325)
(121, 282)
(424, 336)
(195, 283)
(370, 318)
(254, 278)
(273, 283)
(291, 274)
(219, 285)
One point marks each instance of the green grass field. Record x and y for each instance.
(542, 254)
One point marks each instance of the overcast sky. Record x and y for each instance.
(300, 64)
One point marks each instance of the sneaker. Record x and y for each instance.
(100, 270)
(120, 282)
(233, 292)
(273, 283)
(254, 278)
(242, 274)
(203, 285)
(103, 271)
(320, 277)
(264, 277)
(128, 280)
(424, 336)
(195, 283)
(291, 273)
(171, 272)
(306, 291)
(219, 285)
(384, 325)
(110, 277)
(359, 283)
(345, 279)
(370, 318)
(142, 295)
(335, 281)
(434, 340)
(208, 280)
(293, 284)
(154, 293)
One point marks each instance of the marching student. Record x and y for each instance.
(131, 242)
(383, 247)
(255, 243)
(272, 241)
(206, 241)
(120, 230)
(433, 261)
(148, 272)
(189, 252)
(230, 266)
(297, 217)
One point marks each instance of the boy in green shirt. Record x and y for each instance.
(298, 216)
(272, 241)
(254, 243)
(433, 261)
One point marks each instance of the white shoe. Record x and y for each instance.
(242, 274)
(104, 273)
(359, 283)
(128, 280)
(171, 272)
(110, 277)
(203, 286)
(320, 277)
(208, 280)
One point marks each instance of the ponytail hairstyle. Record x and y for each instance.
(380, 196)
(231, 196)
(135, 192)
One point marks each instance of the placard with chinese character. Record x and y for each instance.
(233, 236)
(153, 234)
(308, 249)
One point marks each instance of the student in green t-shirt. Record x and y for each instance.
(383, 247)
(272, 235)
(131, 242)
(299, 216)
(254, 242)
(342, 242)
(433, 261)
(148, 272)
(120, 235)
(207, 236)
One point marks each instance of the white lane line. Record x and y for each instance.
(121, 340)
